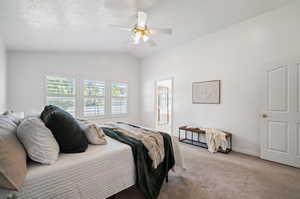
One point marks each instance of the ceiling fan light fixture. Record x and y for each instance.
(145, 38)
(136, 37)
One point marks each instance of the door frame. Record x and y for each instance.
(172, 101)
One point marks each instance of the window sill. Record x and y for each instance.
(104, 117)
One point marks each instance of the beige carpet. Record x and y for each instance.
(232, 176)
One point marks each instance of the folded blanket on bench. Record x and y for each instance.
(215, 139)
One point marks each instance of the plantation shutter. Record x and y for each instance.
(119, 100)
(61, 93)
(94, 98)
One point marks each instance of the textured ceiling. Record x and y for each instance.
(81, 25)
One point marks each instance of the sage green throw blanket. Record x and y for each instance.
(148, 179)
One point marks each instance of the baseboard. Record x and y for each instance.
(246, 151)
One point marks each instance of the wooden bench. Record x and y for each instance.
(195, 133)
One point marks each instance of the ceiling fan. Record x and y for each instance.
(141, 31)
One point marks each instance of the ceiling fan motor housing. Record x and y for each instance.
(142, 30)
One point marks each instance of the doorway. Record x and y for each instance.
(164, 105)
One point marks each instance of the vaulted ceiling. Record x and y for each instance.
(81, 25)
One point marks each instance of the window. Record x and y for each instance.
(61, 93)
(93, 98)
(119, 98)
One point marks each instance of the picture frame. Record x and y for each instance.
(206, 92)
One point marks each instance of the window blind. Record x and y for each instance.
(94, 98)
(61, 93)
(119, 100)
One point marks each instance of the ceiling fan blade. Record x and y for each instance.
(151, 42)
(167, 31)
(142, 19)
(120, 27)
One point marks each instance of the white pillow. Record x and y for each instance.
(38, 140)
(15, 117)
(93, 133)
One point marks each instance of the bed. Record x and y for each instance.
(100, 172)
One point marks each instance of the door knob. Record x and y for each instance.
(264, 115)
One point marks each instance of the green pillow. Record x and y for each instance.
(67, 132)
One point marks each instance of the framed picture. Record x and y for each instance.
(206, 92)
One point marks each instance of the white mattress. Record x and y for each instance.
(98, 173)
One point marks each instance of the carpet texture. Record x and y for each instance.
(221, 176)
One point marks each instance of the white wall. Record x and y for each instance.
(235, 56)
(2, 76)
(27, 71)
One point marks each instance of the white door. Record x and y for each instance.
(280, 119)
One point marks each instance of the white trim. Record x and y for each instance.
(246, 151)
(108, 98)
(172, 106)
(59, 95)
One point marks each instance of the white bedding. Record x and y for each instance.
(179, 161)
(96, 174)
(100, 172)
